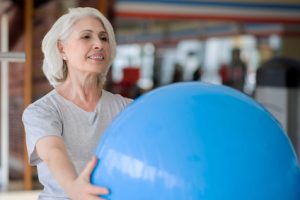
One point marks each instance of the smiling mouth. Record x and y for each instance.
(96, 57)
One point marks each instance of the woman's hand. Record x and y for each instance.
(52, 151)
(81, 188)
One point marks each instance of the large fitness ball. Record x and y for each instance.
(197, 141)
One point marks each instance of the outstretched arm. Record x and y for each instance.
(52, 151)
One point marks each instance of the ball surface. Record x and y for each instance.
(196, 141)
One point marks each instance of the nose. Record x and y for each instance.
(98, 44)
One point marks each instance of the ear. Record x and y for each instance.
(61, 49)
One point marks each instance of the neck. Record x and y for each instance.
(85, 94)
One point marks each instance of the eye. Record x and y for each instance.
(103, 38)
(86, 37)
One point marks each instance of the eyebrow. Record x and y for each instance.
(91, 31)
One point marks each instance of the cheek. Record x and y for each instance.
(76, 48)
(77, 53)
(108, 52)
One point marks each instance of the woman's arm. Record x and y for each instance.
(52, 151)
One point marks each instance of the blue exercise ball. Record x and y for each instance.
(197, 141)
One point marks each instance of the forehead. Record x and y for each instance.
(88, 23)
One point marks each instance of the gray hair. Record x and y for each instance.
(53, 66)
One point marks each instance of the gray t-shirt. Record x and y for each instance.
(80, 130)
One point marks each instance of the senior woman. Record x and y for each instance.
(64, 126)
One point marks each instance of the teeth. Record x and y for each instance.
(97, 57)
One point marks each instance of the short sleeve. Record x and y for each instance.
(40, 119)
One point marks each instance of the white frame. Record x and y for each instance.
(5, 58)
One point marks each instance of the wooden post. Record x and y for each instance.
(102, 7)
(28, 83)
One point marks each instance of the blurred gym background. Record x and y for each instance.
(252, 46)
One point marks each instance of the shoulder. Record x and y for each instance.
(45, 105)
(114, 103)
(116, 99)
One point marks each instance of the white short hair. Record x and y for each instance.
(53, 65)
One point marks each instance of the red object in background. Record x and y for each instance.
(224, 73)
(131, 76)
(127, 87)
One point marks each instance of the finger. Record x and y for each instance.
(96, 198)
(98, 190)
(89, 168)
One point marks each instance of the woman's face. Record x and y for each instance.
(87, 48)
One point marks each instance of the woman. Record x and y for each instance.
(64, 127)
